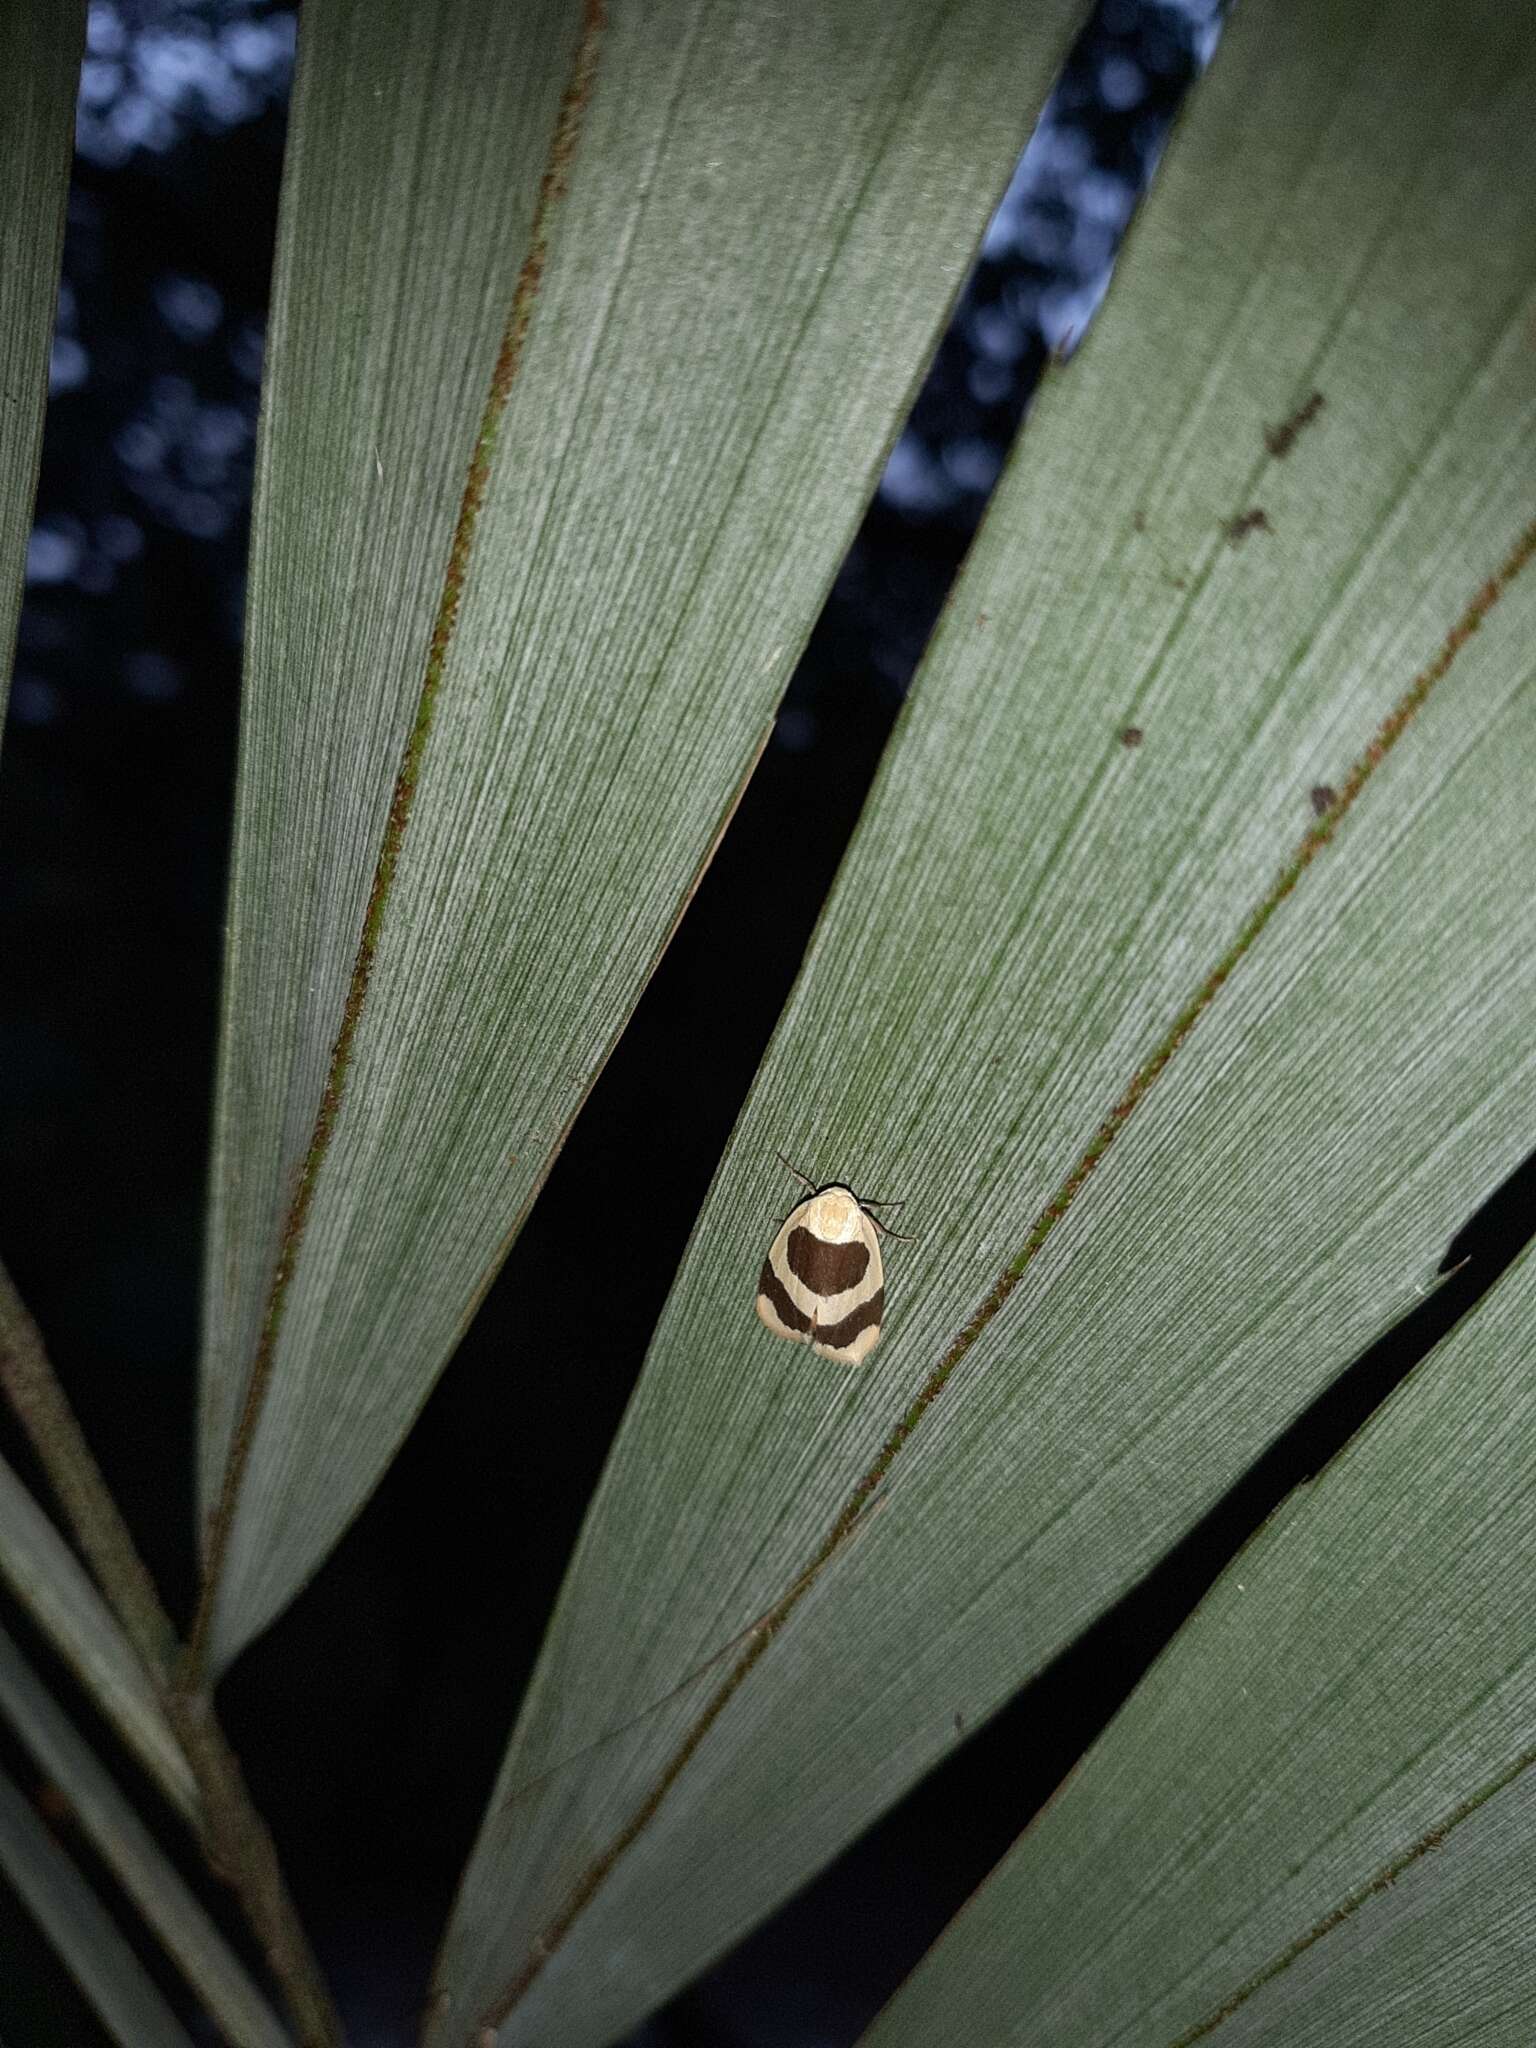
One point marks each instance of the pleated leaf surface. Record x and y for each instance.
(1315, 1820)
(591, 327)
(1178, 978)
(61, 1597)
(126, 2000)
(135, 1859)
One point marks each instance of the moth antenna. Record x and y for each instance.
(885, 1230)
(803, 1178)
(880, 1202)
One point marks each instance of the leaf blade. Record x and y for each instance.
(583, 672)
(1021, 880)
(1342, 1860)
(98, 1958)
(135, 1859)
(51, 1583)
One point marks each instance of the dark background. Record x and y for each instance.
(371, 1718)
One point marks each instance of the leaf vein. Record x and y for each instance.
(1382, 1881)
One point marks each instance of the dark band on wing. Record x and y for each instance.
(791, 1317)
(826, 1268)
(857, 1319)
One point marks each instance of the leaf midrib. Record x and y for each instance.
(1380, 1881)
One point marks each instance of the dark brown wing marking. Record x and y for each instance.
(857, 1319)
(791, 1317)
(826, 1268)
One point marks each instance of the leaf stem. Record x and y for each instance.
(42, 1407)
(236, 1842)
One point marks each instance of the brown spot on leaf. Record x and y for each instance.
(1282, 439)
(1132, 736)
(1139, 521)
(1323, 799)
(53, 1806)
(1254, 520)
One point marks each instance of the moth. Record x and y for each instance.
(823, 1281)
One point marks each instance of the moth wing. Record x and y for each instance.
(782, 1304)
(856, 1332)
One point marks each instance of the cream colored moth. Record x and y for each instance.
(823, 1282)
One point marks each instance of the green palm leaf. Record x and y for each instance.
(51, 1583)
(590, 330)
(130, 1852)
(100, 1961)
(1315, 1821)
(1187, 1055)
